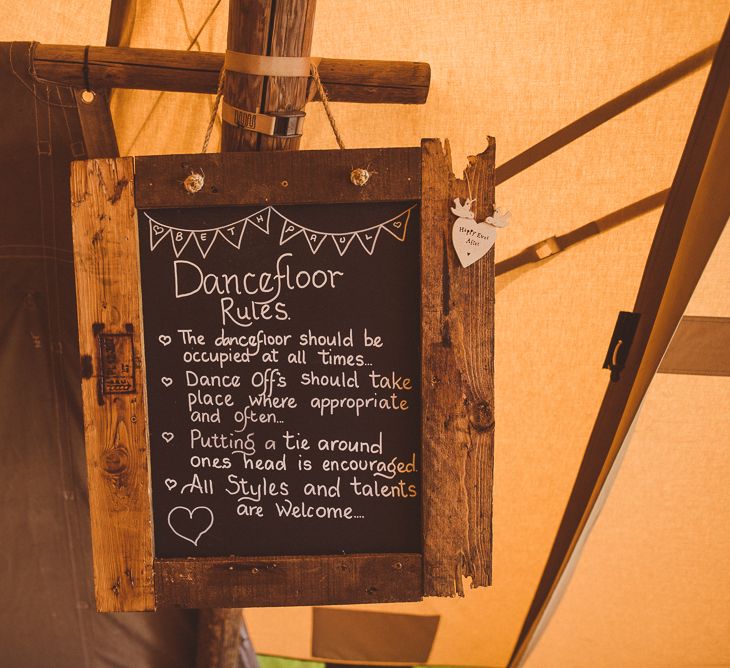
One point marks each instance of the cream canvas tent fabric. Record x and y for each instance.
(651, 585)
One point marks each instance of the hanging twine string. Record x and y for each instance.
(359, 176)
(322, 96)
(326, 104)
(214, 111)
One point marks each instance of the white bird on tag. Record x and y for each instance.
(473, 240)
(499, 218)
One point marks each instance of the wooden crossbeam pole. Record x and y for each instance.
(363, 81)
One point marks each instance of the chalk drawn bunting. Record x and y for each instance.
(283, 377)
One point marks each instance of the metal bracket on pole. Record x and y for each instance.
(274, 124)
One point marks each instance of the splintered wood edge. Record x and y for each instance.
(106, 259)
(457, 363)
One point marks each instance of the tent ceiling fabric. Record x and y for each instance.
(651, 587)
(519, 70)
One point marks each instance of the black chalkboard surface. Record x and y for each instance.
(282, 348)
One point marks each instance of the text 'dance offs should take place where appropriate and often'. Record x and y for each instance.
(282, 350)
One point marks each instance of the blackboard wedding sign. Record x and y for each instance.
(287, 378)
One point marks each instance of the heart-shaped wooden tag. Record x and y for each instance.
(472, 240)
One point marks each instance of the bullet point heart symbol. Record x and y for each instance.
(164, 339)
(157, 229)
(472, 240)
(167, 436)
(189, 524)
(397, 223)
(170, 484)
(166, 381)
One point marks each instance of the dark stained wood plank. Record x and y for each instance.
(117, 456)
(277, 581)
(97, 125)
(362, 81)
(457, 349)
(300, 177)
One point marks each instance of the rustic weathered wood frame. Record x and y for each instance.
(457, 337)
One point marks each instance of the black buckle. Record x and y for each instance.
(618, 349)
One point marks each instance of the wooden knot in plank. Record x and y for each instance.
(119, 187)
(116, 461)
(481, 417)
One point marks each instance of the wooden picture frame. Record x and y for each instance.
(457, 388)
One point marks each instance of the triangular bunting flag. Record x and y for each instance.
(342, 241)
(233, 233)
(260, 219)
(180, 239)
(275, 217)
(397, 227)
(368, 238)
(288, 231)
(314, 239)
(157, 232)
(204, 239)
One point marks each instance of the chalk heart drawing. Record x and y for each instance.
(167, 436)
(472, 240)
(164, 339)
(170, 484)
(190, 524)
(166, 381)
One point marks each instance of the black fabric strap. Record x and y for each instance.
(87, 85)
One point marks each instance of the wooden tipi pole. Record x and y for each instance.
(270, 28)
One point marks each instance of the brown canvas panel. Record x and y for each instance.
(700, 346)
(359, 635)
